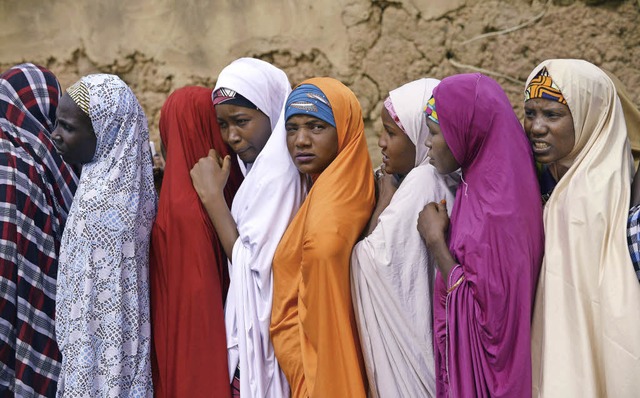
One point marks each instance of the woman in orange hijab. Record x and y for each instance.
(188, 268)
(312, 321)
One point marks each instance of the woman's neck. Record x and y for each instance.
(558, 170)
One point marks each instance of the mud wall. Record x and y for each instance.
(372, 46)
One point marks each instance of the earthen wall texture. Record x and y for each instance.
(157, 46)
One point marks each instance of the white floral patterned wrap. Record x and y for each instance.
(102, 312)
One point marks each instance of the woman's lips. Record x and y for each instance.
(540, 147)
(304, 157)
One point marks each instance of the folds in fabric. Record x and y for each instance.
(585, 341)
(392, 275)
(312, 326)
(264, 205)
(392, 287)
(188, 269)
(102, 309)
(36, 190)
(482, 314)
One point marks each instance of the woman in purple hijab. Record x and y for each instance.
(489, 257)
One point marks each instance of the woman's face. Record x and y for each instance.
(549, 126)
(245, 130)
(312, 143)
(398, 152)
(440, 155)
(73, 137)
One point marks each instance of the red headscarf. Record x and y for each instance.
(188, 268)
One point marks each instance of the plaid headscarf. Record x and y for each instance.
(36, 191)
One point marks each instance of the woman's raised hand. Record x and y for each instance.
(209, 176)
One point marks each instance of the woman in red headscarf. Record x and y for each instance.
(188, 268)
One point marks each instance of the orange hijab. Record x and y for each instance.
(312, 321)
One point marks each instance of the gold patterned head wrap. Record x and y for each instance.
(79, 93)
(542, 86)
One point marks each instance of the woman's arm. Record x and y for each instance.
(635, 190)
(386, 187)
(209, 176)
(433, 223)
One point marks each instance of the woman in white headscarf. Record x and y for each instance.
(102, 308)
(586, 316)
(392, 275)
(249, 98)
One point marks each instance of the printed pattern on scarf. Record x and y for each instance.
(542, 86)
(103, 322)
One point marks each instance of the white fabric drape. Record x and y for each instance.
(265, 203)
(102, 306)
(391, 273)
(587, 315)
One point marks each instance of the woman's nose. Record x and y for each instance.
(234, 137)
(302, 138)
(382, 141)
(537, 127)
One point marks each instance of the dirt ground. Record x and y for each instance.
(372, 46)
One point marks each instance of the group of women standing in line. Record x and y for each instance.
(280, 264)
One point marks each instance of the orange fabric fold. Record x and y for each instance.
(312, 323)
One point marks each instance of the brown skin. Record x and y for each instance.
(312, 143)
(398, 152)
(73, 137)
(440, 156)
(209, 177)
(635, 190)
(549, 126)
(246, 131)
(433, 220)
(433, 224)
(398, 157)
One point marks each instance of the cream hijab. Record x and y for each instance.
(587, 309)
(392, 274)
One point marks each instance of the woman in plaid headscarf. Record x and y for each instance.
(36, 190)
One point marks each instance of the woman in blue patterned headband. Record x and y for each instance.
(308, 106)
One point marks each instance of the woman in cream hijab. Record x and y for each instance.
(586, 315)
(391, 273)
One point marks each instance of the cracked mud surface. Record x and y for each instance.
(372, 46)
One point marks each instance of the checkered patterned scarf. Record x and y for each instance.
(36, 190)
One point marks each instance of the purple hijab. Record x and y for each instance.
(482, 326)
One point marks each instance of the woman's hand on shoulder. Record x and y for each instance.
(387, 186)
(209, 176)
(433, 223)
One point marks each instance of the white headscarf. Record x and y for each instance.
(265, 203)
(102, 308)
(391, 273)
(407, 100)
(587, 314)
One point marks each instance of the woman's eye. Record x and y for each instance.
(317, 127)
(242, 122)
